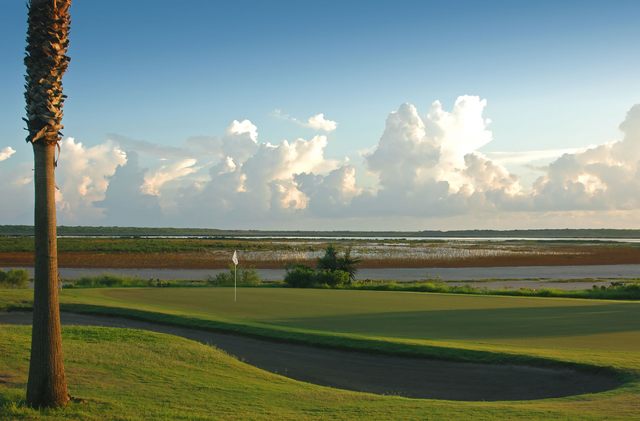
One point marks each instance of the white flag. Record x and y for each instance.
(234, 259)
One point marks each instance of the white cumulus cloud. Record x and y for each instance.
(316, 122)
(155, 180)
(431, 165)
(243, 127)
(82, 177)
(319, 122)
(599, 178)
(6, 153)
(426, 166)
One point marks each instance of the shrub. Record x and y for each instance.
(249, 277)
(331, 261)
(349, 264)
(14, 278)
(331, 278)
(300, 276)
(220, 279)
(108, 281)
(246, 277)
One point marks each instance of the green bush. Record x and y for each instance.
(118, 281)
(300, 276)
(110, 281)
(246, 277)
(332, 262)
(14, 278)
(249, 277)
(331, 278)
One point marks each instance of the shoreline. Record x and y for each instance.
(557, 277)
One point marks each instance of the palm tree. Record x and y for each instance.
(349, 264)
(332, 262)
(46, 62)
(330, 259)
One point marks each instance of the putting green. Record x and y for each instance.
(518, 321)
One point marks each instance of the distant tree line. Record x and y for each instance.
(27, 230)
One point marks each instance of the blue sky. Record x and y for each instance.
(554, 74)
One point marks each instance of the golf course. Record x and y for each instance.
(136, 374)
(297, 211)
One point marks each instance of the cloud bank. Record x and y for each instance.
(427, 167)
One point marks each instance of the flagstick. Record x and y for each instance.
(235, 283)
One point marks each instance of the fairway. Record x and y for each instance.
(518, 321)
(600, 333)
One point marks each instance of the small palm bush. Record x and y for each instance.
(14, 278)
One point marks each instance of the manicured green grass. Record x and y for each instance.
(600, 333)
(128, 374)
(530, 322)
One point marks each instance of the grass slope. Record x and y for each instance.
(601, 333)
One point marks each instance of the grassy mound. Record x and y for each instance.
(130, 374)
(127, 374)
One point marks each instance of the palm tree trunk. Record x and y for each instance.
(47, 386)
(46, 62)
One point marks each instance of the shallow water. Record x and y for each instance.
(510, 277)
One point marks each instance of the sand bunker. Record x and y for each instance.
(376, 373)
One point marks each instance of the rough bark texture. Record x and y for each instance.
(46, 62)
(47, 386)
